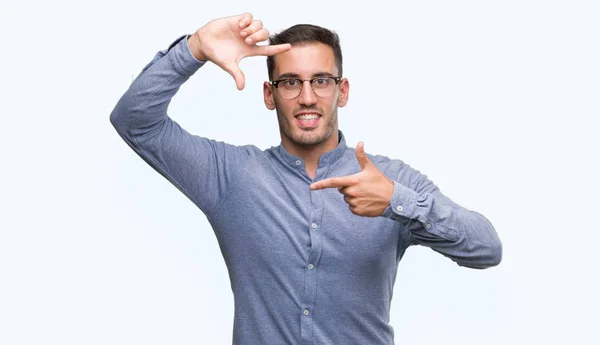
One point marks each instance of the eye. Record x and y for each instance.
(321, 81)
(290, 83)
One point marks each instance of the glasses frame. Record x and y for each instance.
(275, 83)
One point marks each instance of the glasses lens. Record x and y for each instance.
(323, 87)
(290, 88)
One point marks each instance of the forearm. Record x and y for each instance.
(465, 236)
(144, 105)
(195, 165)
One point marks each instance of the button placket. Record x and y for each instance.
(310, 281)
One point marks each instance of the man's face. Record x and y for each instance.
(308, 119)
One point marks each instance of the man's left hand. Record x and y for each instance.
(367, 193)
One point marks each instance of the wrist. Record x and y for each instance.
(196, 47)
(390, 191)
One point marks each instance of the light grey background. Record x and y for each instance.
(496, 101)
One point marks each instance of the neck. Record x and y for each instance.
(311, 154)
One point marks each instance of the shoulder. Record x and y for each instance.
(395, 168)
(382, 162)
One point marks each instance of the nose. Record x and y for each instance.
(307, 95)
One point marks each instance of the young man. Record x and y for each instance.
(311, 230)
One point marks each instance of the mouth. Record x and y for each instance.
(308, 120)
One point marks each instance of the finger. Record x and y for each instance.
(353, 209)
(348, 199)
(268, 50)
(334, 182)
(236, 73)
(258, 36)
(361, 156)
(351, 191)
(252, 30)
(245, 20)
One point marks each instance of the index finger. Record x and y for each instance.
(334, 182)
(268, 50)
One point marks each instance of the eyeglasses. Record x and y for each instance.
(290, 88)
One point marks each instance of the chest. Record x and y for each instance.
(273, 219)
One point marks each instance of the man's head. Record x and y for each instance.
(307, 111)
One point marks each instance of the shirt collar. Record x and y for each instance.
(327, 158)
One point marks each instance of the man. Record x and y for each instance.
(311, 230)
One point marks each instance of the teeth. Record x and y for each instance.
(308, 117)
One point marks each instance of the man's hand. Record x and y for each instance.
(368, 193)
(226, 41)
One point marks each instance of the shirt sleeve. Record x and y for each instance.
(435, 221)
(200, 168)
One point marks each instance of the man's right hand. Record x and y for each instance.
(226, 41)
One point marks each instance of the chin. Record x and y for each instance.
(310, 138)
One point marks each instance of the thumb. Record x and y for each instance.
(361, 156)
(236, 73)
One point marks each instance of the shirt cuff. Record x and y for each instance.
(404, 203)
(182, 58)
(407, 206)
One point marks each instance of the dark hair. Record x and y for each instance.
(305, 34)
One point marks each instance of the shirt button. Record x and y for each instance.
(399, 208)
(298, 162)
(305, 312)
(310, 266)
(428, 225)
(314, 225)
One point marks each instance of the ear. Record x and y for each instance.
(344, 92)
(268, 95)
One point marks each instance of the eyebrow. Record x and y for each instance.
(295, 75)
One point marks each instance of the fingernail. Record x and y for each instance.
(242, 24)
(243, 33)
(249, 40)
